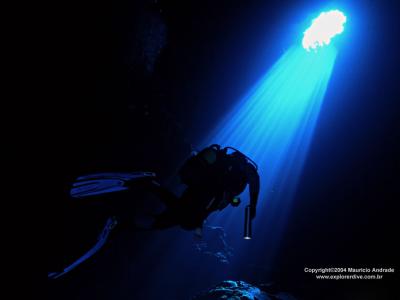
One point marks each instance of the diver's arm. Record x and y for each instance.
(254, 187)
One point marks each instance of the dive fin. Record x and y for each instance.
(102, 183)
(101, 240)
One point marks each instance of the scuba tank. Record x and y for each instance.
(197, 169)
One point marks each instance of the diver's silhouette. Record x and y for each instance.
(214, 177)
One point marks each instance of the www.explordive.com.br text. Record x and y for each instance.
(349, 273)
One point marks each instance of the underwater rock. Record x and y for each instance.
(240, 290)
(233, 290)
(214, 244)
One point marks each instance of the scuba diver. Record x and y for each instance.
(214, 178)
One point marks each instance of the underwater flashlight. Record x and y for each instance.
(247, 223)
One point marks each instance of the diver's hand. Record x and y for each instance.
(253, 212)
(198, 232)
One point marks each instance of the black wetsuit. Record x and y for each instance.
(213, 178)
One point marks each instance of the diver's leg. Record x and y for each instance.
(165, 195)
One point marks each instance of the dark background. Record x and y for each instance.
(138, 84)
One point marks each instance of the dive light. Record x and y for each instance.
(247, 223)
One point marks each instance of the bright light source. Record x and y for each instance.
(323, 29)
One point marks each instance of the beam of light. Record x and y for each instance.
(323, 29)
(273, 125)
